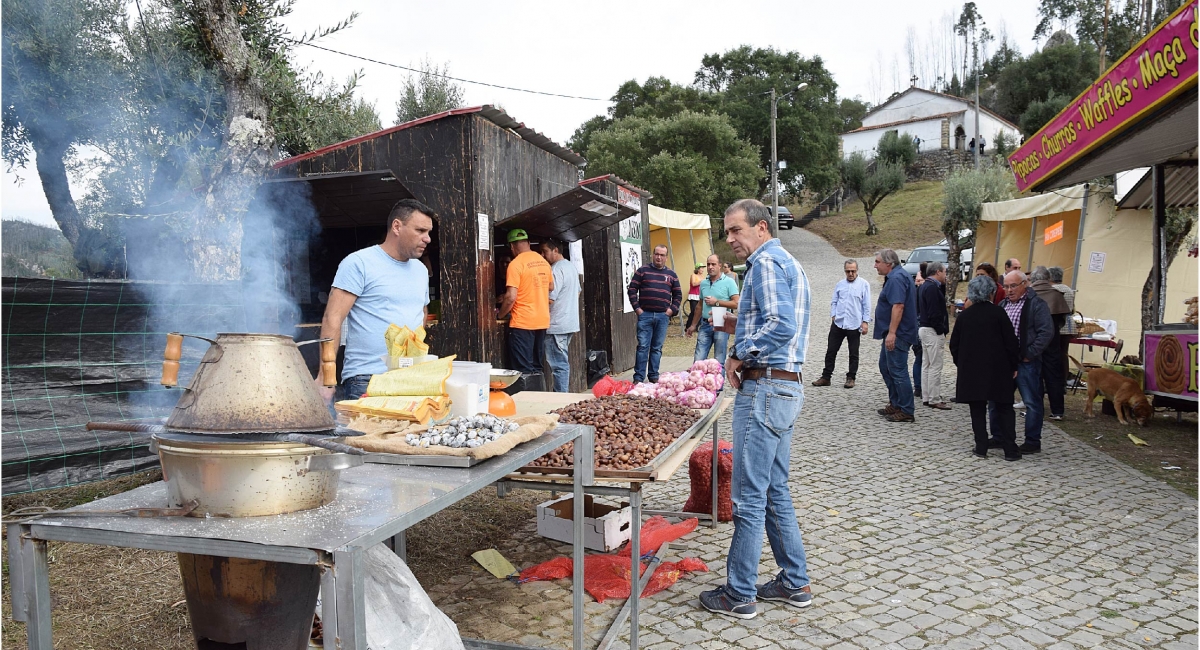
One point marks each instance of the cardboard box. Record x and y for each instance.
(605, 527)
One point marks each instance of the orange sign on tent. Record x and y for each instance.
(1054, 233)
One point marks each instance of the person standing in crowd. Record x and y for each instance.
(1030, 318)
(990, 271)
(728, 271)
(655, 294)
(764, 367)
(564, 313)
(373, 288)
(1011, 264)
(917, 352)
(529, 281)
(1053, 379)
(851, 309)
(982, 145)
(715, 291)
(984, 347)
(1068, 330)
(693, 298)
(896, 325)
(934, 324)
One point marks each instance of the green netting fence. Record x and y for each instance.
(80, 351)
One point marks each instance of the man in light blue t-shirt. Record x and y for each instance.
(716, 290)
(375, 287)
(564, 313)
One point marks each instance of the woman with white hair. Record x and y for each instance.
(985, 350)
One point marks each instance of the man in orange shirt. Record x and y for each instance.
(529, 282)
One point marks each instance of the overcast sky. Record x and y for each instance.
(589, 49)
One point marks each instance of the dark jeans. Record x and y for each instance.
(918, 356)
(525, 349)
(1029, 384)
(1003, 425)
(836, 336)
(1053, 379)
(651, 334)
(355, 387)
(893, 367)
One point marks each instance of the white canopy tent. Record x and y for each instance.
(687, 236)
(1105, 253)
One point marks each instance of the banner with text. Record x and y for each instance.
(1151, 74)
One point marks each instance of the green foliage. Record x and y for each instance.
(33, 251)
(1064, 70)
(658, 97)
(898, 148)
(692, 161)
(966, 190)
(808, 121)
(851, 113)
(1003, 144)
(872, 183)
(428, 93)
(1040, 112)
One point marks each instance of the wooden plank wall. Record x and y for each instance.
(432, 161)
(608, 327)
(511, 175)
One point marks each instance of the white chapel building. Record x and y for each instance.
(940, 121)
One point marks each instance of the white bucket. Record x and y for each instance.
(467, 387)
(718, 316)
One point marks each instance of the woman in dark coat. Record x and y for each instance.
(984, 347)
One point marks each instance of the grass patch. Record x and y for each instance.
(909, 218)
(1172, 444)
(1108, 613)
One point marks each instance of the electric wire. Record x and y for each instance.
(444, 76)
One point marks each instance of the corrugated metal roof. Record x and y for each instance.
(487, 111)
(619, 181)
(1180, 188)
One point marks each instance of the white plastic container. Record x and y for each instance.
(467, 387)
(718, 316)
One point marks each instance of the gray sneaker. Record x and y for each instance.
(720, 601)
(774, 590)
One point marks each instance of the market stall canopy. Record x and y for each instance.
(686, 235)
(570, 216)
(1141, 112)
(1031, 207)
(1180, 188)
(341, 200)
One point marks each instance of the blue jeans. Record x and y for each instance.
(1029, 384)
(525, 349)
(893, 366)
(355, 387)
(709, 339)
(651, 333)
(918, 354)
(556, 358)
(764, 415)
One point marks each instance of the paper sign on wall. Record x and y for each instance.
(577, 256)
(1096, 262)
(485, 232)
(1054, 233)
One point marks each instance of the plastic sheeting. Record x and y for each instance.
(80, 351)
(687, 237)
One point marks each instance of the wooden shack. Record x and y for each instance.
(483, 173)
(609, 320)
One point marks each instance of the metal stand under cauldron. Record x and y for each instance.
(251, 436)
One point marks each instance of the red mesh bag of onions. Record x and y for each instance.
(700, 472)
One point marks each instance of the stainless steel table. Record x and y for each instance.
(375, 503)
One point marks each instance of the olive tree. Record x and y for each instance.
(872, 183)
(965, 192)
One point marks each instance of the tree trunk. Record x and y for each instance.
(1173, 246)
(953, 270)
(872, 229)
(52, 171)
(216, 237)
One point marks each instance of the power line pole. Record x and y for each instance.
(975, 61)
(774, 163)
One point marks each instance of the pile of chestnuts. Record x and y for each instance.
(630, 431)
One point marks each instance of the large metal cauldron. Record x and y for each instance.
(218, 448)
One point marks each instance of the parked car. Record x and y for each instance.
(966, 249)
(786, 220)
(912, 263)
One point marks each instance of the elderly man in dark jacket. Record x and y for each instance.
(1030, 318)
(1054, 377)
(984, 348)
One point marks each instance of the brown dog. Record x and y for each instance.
(1122, 391)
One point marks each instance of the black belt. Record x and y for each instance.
(771, 373)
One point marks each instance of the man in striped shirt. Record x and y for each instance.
(655, 294)
(764, 366)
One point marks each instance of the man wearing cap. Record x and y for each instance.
(655, 294)
(529, 281)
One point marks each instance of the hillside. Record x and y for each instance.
(33, 251)
(909, 218)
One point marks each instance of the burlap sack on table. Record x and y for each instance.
(387, 436)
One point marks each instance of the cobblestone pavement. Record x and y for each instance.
(911, 541)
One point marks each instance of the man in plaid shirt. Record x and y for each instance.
(764, 366)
